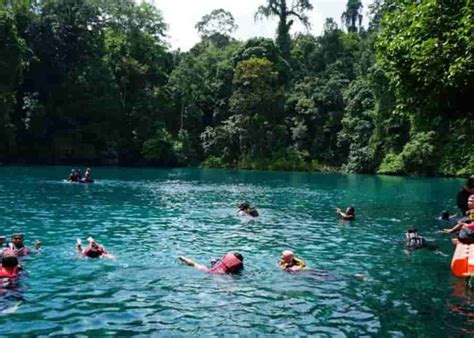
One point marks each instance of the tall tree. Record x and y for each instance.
(286, 14)
(352, 16)
(217, 26)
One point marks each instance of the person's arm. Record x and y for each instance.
(469, 189)
(344, 216)
(79, 246)
(455, 228)
(190, 262)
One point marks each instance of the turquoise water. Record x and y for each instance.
(146, 217)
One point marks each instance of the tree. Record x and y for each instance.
(285, 14)
(217, 26)
(352, 16)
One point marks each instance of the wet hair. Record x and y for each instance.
(351, 210)
(240, 267)
(244, 205)
(9, 261)
(18, 234)
(445, 215)
(93, 253)
(239, 257)
(412, 231)
(253, 213)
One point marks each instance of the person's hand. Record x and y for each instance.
(338, 211)
(78, 241)
(37, 245)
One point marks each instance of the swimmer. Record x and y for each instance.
(87, 176)
(229, 263)
(246, 210)
(414, 241)
(94, 250)
(349, 215)
(289, 262)
(17, 245)
(10, 266)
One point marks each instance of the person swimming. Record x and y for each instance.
(229, 263)
(94, 250)
(10, 266)
(414, 241)
(349, 215)
(289, 262)
(87, 176)
(246, 210)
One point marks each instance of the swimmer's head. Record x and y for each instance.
(253, 213)
(445, 215)
(239, 257)
(93, 252)
(17, 239)
(350, 210)
(244, 206)
(411, 233)
(287, 256)
(9, 259)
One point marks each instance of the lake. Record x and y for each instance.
(147, 217)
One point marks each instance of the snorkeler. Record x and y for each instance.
(289, 262)
(17, 245)
(229, 263)
(94, 250)
(10, 266)
(349, 215)
(246, 210)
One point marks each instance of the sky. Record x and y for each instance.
(182, 15)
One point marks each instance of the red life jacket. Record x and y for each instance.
(8, 274)
(227, 264)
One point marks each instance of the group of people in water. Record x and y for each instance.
(233, 262)
(76, 176)
(11, 253)
(464, 221)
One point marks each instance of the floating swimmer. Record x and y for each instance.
(289, 262)
(229, 263)
(94, 250)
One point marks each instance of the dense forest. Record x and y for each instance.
(94, 82)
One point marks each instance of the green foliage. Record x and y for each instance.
(392, 164)
(94, 81)
(418, 157)
(217, 27)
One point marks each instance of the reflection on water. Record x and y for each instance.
(147, 217)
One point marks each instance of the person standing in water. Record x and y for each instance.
(17, 245)
(349, 215)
